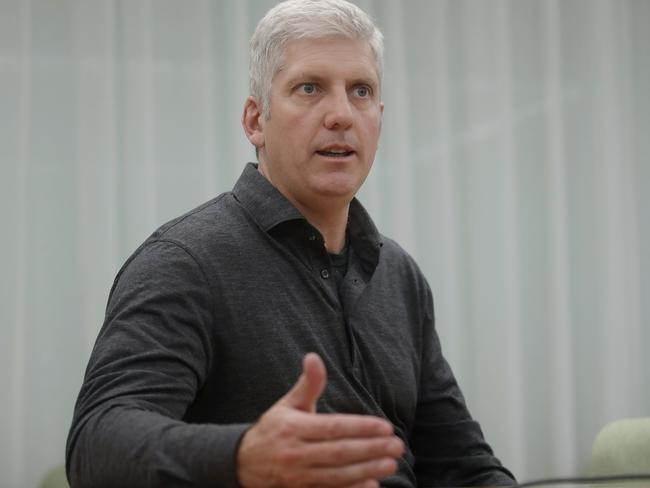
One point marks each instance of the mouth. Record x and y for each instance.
(336, 152)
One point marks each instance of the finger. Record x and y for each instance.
(350, 474)
(342, 452)
(348, 451)
(309, 387)
(321, 427)
(365, 484)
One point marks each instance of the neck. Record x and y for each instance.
(328, 215)
(331, 224)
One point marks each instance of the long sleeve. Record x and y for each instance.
(152, 356)
(448, 444)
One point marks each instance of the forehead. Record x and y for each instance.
(329, 57)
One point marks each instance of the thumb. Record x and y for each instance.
(309, 387)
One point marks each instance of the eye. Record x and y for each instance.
(362, 91)
(307, 88)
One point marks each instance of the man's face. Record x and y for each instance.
(325, 118)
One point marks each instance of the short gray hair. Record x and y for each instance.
(305, 19)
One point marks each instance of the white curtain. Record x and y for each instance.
(514, 165)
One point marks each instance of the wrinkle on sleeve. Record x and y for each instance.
(152, 356)
(448, 444)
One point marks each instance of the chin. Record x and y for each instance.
(338, 190)
(342, 185)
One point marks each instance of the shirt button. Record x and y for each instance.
(324, 273)
(312, 237)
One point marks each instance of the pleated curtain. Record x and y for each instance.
(514, 165)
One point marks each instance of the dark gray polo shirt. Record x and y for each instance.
(206, 326)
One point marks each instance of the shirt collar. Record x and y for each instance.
(364, 236)
(262, 200)
(269, 208)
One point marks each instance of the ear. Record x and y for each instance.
(251, 121)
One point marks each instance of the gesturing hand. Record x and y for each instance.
(293, 446)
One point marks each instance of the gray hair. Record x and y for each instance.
(305, 19)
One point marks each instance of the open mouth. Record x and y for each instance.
(335, 154)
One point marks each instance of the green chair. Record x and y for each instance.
(55, 478)
(622, 447)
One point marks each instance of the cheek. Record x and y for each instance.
(372, 132)
(293, 126)
(302, 130)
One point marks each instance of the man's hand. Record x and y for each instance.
(293, 446)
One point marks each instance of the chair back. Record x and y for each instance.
(622, 447)
(55, 478)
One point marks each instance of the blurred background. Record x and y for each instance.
(514, 165)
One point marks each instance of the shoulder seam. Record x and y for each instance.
(192, 212)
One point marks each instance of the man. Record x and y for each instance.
(192, 381)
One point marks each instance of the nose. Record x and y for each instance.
(339, 111)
